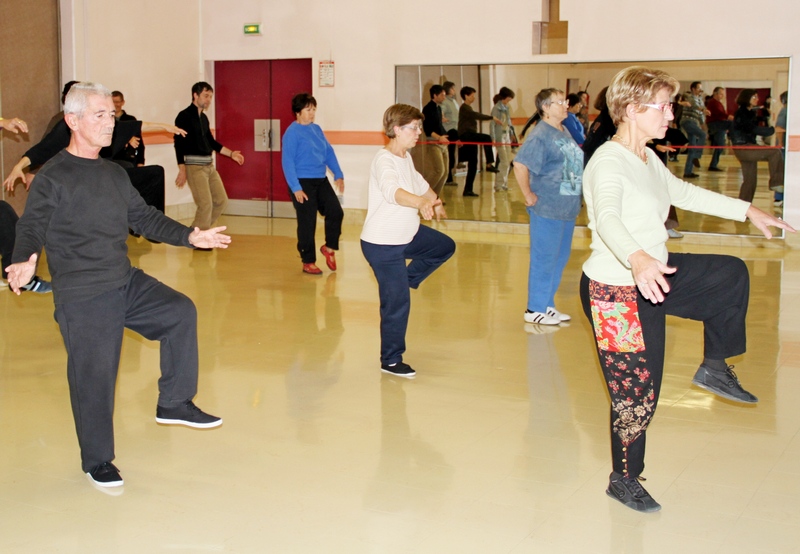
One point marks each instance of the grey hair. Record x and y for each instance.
(78, 96)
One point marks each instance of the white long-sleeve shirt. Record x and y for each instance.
(627, 203)
(388, 222)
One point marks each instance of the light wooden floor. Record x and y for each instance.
(509, 207)
(499, 446)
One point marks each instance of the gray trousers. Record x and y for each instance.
(749, 160)
(92, 331)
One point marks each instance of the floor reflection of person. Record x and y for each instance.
(392, 233)
(631, 282)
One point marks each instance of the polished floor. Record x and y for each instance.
(500, 445)
(509, 207)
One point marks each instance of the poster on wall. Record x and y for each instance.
(326, 73)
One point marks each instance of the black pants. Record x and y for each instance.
(8, 234)
(149, 181)
(452, 149)
(92, 331)
(709, 288)
(322, 199)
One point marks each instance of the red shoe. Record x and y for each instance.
(330, 257)
(312, 269)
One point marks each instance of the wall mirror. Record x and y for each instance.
(770, 76)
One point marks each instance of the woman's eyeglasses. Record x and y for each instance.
(663, 108)
(414, 127)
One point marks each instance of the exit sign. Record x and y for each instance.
(252, 29)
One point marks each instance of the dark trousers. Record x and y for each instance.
(749, 160)
(427, 251)
(8, 234)
(718, 133)
(322, 199)
(709, 288)
(92, 331)
(149, 181)
(452, 149)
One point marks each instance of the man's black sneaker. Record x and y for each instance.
(38, 285)
(105, 475)
(187, 414)
(627, 490)
(722, 383)
(399, 369)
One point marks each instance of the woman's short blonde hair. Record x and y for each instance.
(398, 115)
(636, 85)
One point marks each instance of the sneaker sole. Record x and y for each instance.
(109, 485)
(211, 425)
(403, 375)
(722, 394)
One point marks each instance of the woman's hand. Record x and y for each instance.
(426, 206)
(763, 221)
(300, 196)
(530, 198)
(438, 210)
(648, 274)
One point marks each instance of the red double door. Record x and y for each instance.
(253, 108)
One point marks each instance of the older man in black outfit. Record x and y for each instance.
(80, 208)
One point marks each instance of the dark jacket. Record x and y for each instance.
(745, 127)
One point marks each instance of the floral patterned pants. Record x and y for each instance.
(630, 337)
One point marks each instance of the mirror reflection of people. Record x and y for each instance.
(744, 132)
(392, 234)
(631, 282)
(80, 208)
(501, 134)
(549, 170)
(306, 157)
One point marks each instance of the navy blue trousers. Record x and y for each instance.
(427, 251)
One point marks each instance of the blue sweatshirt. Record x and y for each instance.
(306, 154)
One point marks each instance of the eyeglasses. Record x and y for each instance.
(414, 128)
(663, 108)
(560, 102)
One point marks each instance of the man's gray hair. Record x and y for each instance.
(78, 96)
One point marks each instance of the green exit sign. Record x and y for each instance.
(252, 29)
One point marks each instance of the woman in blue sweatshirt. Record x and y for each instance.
(307, 155)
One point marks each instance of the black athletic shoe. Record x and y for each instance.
(187, 414)
(722, 383)
(628, 491)
(470, 193)
(715, 169)
(400, 369)
(105, 475)
(38, 285)
(690, 176)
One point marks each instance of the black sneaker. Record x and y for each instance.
(399, 369)
(38, 285)
(722, 383)
(628, 491)
(105, 475)
(187, 414)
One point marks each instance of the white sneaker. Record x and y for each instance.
(552, 312)
(540, 318)
(673, 234)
